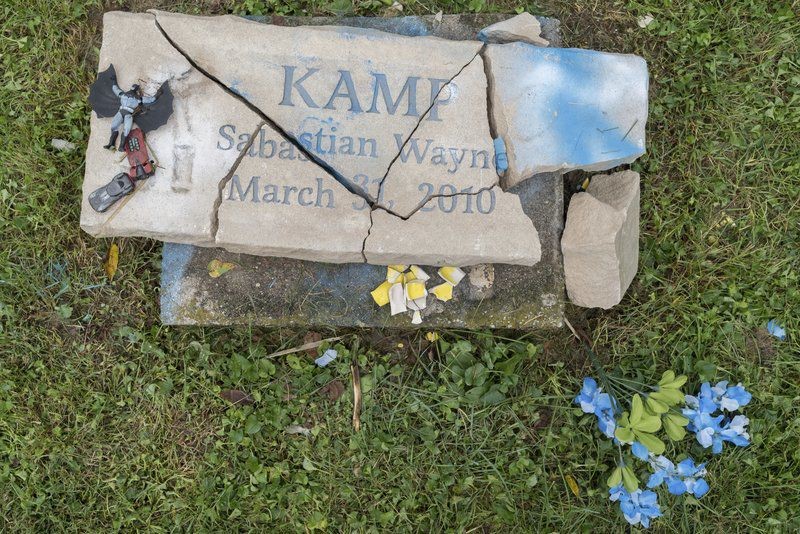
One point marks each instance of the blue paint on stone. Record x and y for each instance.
(175, 258)
(500, 155)
(235, 86)
(568, 108)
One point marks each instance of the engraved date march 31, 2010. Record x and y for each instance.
(321, 194)
(448, 197)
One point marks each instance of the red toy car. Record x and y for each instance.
(138, 158)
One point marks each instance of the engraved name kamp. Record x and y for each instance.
(377, 98)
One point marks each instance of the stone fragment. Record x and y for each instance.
(290, 207)
(523, 28)
(347, 94)
(600, 243)
(449, 156)
(177, 203)
(560, 109)
(459, 230)
(645, 21)
(62, 145)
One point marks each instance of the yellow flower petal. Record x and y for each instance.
(443, 292)
(409, 276)
(453, 275)
(419, 273)
(381, 294)
(112, 260)
(415, 289)
(217, 268)
(393, 275)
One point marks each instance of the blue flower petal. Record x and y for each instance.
(640, 451)
(655, 479)
(648, 498)
(676, 486)
(775, 329)
(686, 468)
(700, 487)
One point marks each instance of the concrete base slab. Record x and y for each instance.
(281, 292)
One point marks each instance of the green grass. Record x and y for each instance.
(109, 420)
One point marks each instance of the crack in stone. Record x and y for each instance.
(411, 134)
(487, 72)
(369, 231)
(348, 185)
(225, 180)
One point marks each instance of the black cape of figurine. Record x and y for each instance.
(106, 104)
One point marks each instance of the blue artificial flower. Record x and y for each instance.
(692, 477)
(707, 429)
(686, 478)
(735, 431)
(593, 400)
(588, 397)
(606, 421)
(713, 431)
(775, 329)
(733, 397)
(719, 397)
(638, 506)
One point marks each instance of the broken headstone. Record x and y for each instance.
(601, 240)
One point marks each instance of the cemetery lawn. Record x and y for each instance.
(109, 420)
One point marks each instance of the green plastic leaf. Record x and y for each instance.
(615, 478)
(629, 479)
(667, 377)
(653, 444)
(648, 423)
(677, 419)
(676, 383)
(674, 396)
(674, 431)
(625, 435)
(637, 409)
(656, 406)
(623, 420)
(670, 397)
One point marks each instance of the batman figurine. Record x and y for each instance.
(108, 100)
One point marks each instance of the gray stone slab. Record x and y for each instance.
(281, 291)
